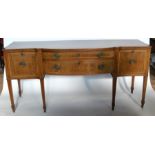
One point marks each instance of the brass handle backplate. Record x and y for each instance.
(22, 64)
(132, 61)
(77, 55)
(56, 56)
(56, 67)
(78, 63)
(100, 54)
(22, 54)
(101, 67)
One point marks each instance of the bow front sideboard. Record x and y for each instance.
(35, 59)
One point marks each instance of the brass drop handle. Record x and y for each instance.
(22, 54)
(100, 54)
(101, 67)
(22, 64)
(56, 67)
(78, 63)
(77, 55)
(132, 61)
(56, 56)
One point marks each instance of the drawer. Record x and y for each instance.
(23, 64)
(132, 62)
(77, 54)
(78, 67)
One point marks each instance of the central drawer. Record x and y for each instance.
(78, 67)
(68, 54)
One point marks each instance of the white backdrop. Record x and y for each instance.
(77, 19)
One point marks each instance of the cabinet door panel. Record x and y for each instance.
(132, 62)
(23, 64)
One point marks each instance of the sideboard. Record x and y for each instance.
(35, 59)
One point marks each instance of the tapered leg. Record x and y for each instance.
(144, 90)
(114, 91)
(11, 94)
(132, 84)
(43, 94)
(19, 88)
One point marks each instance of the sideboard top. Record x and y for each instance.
(76, 44)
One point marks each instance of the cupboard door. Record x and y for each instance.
(23, 64)
(131, 62)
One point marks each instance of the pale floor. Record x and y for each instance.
(79, 96)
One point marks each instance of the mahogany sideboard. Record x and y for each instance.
(34, 60)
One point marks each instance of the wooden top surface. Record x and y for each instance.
(76, 44)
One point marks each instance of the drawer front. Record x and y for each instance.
(132, 62)
(23, 64)
(78, 67)
(76, 54)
